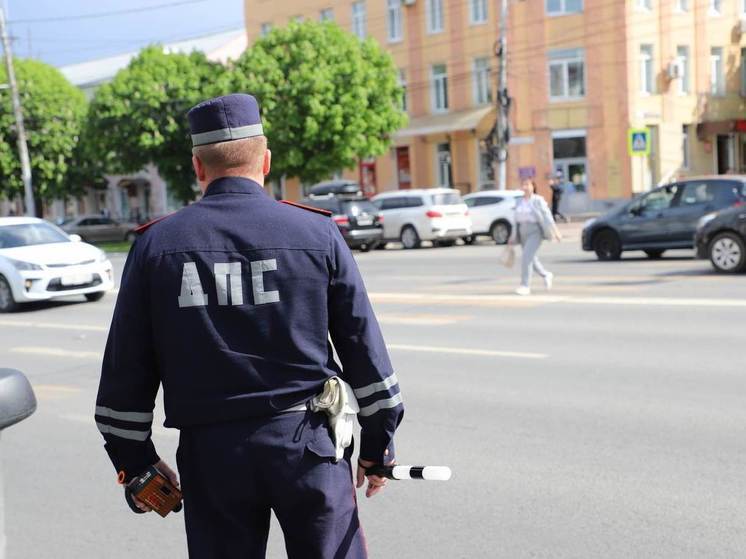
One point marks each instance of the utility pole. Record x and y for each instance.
(20, 129)
(502, 128)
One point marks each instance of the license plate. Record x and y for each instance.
(76, 279)
(364, 220)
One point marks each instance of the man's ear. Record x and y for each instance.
(267, 162)
(199, 169)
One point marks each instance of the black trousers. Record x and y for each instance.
(233, 474)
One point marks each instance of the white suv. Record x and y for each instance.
(429, 214)
(493, 213)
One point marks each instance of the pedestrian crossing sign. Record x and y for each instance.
(638, 141)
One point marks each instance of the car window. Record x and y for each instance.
(389, 203)
(726, 193)
(414, 202)
(84, 222)
(445, 199)
(471, 202)
(107, 221)
(658, 200)
(328, 205)
(26, 234)
(489, 200)
(357, 207)
(697, 193)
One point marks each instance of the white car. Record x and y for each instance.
(428, 214)
(493, 213)
(39, 261)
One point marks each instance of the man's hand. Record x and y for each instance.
(375, 483)
(166, 470)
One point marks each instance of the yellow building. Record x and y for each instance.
(581, 73)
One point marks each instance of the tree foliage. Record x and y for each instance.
(140, 116)
(327, 98)
(54, 112)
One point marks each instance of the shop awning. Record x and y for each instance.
(713, 128)
(444, 123)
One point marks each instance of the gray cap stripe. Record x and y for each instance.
(226, 134)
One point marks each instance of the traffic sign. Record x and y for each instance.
(638, 141)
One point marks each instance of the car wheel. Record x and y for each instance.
(7, 303)
(381, 245)
(448, 243)
(409, 237)
(365, 248)
(469, 240)
(607, 245)
(728, 253)
(500, 232)
(654, 254)
(93, 297)
(130, 237)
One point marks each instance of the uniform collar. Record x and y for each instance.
(237, 185)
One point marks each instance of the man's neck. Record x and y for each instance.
(259, 179)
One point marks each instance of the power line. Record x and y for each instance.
(107, 14)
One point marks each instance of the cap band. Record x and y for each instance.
(227, 134)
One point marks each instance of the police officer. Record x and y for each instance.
(230, 304)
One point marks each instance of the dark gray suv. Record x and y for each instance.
(664, 218)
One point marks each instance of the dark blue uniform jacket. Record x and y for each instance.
(233, 304)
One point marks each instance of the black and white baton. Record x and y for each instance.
(428, 473)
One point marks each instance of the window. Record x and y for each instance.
(562, 7)
(327, 14)
(434, 16)
(685, 146)
(359, 19)
(265, 29)
(657, 200)
(444, 164)
(716, 7)
(647, 84)
(439, 81)
(566, 74)
(403, 84)
(486, 170)
(682, 5)
(393, 20)
(482, 89)
(697, 194)
(477, 11)
(743, 72)
(645, 4)
(682, 59)
(717, 81)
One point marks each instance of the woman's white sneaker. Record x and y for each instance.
(548, 280)
(523, 290)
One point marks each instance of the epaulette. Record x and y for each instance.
(327, 213)
(141, 228)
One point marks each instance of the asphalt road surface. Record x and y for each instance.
(604, 419)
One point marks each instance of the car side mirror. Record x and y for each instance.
(635, 210)
(75, 238)
(17, 399)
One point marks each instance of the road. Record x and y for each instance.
(603, 419)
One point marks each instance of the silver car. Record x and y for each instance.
(97, 228)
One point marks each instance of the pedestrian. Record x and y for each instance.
(556, 186)
(230, 304)
(534, 223)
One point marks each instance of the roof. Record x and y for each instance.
(19, 220)
(218, 47)
(444, 123)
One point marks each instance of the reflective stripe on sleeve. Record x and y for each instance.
(136, 416)
(130, 434)
(385, 384)
(380, 405)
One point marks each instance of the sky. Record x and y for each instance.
(55, 32)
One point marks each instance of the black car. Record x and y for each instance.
(356, 216)
(721, 237)
(664, 218)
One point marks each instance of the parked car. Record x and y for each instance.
(492, 214)
(357, 218)
(97, 228)
(429, 214)
(721, 237)
(664, 218)
(39, 261)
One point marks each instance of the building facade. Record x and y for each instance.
(581, 74)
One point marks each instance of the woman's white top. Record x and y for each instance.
(524, 212)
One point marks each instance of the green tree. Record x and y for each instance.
(327, 98)
(140, 116)
(54, 112)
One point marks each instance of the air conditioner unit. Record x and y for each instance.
(409, 2)
(674, 70)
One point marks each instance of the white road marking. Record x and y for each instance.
(53, 325)
(421, 319)
(57, 352)
(467, 351)
(472, 300)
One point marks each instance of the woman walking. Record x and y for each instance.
(534, 223)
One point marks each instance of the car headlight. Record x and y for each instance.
(21, 265)
(705, 219)
(101, 256)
